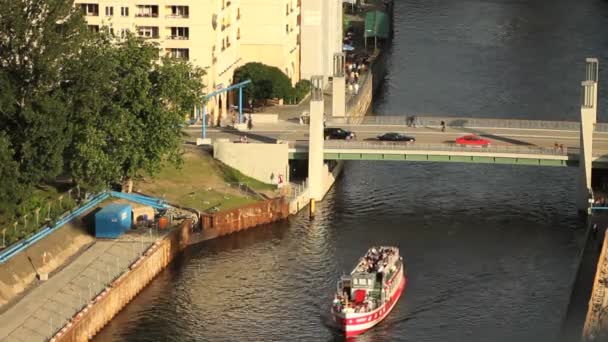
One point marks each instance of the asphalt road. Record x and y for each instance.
(425, 135)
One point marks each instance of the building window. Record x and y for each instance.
(147, 11)
(227, 42)
(124, 11)
(90, 9)
(93, 28)
(180, 33)
(287, 9)
(238, 34)
(223, 4)
(287, 28)
(179, 53)
(147, 32)
(178, 12)
(109, 11)
(238, 13)
(124, 33)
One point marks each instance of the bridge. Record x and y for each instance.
(526, 142)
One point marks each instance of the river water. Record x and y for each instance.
(491, 250)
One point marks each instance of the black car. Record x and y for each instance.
(396, 137)
(337, 133)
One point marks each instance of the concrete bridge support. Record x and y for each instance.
(338, 87)
(588, 118)
(315, 145)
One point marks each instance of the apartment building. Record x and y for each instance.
(271, 34)
(205, 32)
(321, 36)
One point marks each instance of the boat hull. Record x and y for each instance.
(357, 323)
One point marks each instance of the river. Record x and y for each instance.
(491, 250)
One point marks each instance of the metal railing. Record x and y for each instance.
(296, 189)
(420, 121)
(384, 145)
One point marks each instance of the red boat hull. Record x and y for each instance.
(360, 323)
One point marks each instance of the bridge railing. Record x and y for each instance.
(419, 121)
(386, 145)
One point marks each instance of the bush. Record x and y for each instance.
(302, 89)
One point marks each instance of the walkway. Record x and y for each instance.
(47, 307)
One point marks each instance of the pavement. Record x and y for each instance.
(46, 308)
(293, 131)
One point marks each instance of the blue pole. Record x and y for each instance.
(204, 121)
(240, 104)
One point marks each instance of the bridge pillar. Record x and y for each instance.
(588, 115)
(591, 74)
(315, 139)
(338, 104)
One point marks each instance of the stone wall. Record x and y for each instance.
(106, 305)
(264, 162)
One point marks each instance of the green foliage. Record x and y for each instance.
(127, 109)
(267, 82)
(38, 38)
(81, 104)
(301, 89)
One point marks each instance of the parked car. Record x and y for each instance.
(338, 133)
(396, 137)
(472, 140)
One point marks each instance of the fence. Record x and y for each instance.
(362, 145)
(419, 121)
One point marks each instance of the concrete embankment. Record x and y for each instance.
(85, 324)
(596, 322)
(21, 272)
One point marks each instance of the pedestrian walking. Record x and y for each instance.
(594, 231)
(250, 123)
(561, 148)
(443, 126)
(556, 146)
(356, 88)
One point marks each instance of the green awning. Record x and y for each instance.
(377, 24)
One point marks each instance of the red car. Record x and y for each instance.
(472, 140)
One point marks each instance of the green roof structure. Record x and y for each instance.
(377, 24)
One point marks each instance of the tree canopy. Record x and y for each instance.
(267, 82)
(84, 104)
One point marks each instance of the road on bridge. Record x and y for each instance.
(288, 131)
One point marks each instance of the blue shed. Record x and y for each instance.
(112, 221)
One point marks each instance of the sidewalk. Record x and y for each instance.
(45, 309)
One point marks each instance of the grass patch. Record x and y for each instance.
(201, 183)
(25, 213)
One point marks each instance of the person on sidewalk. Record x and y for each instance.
(250, 123)
(594, 231)
(443, 126)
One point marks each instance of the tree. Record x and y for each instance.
(38, 38)
(127, 109)
(266, 81)
(10, 188)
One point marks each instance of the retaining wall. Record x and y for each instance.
(100, 311)
(264, 162)
(596, 323)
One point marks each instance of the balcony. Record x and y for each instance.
(90, 10)
(178, 12)
(147, 11)
(148, 32)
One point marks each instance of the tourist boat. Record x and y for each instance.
(369, 293)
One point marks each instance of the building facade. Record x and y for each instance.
(272, 34)
(321, 36)
(207, 33)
